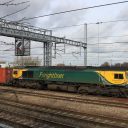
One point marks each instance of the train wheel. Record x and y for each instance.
(83, 90)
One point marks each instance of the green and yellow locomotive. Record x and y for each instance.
(89, 80)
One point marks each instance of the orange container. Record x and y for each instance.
(5, 75)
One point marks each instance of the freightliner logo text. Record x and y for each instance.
(51, 76)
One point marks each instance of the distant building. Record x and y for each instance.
(4, 64)
(60, 65)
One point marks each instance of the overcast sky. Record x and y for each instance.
(103, 49)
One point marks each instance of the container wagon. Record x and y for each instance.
(6, 76)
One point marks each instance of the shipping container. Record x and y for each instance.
(5, 75)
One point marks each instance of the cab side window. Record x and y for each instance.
(27, 74)
(115, 76)
(118, 76)
(15, 72)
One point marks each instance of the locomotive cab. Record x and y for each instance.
(118, 78)
(126, 74)
(17, 73)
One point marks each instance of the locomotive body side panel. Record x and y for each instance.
(86, 76)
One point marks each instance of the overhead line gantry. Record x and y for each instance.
(22, 31)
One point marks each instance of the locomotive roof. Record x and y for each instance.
(77, 68)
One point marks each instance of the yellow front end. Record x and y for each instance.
(114, 77)
(126, 73)
(17, 73)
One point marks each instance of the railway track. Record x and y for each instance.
(19, 115)
(80, 99)
(27, 115)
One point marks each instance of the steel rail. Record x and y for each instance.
(66, 98)
(79, 118)
(23, 118)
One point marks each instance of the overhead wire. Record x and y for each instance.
(6, 3)
(9, 3)
(73, 10)
(20, 3)
(15, 12)
(77, 25)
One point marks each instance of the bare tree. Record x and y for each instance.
(105, 64)
(27, 61)
(117, 65)
(60, 65)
